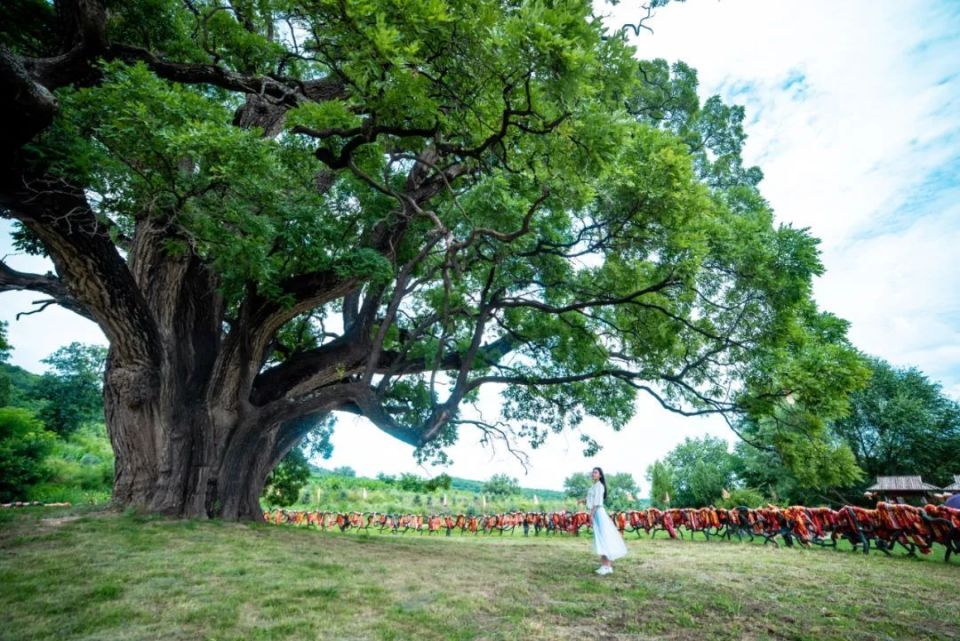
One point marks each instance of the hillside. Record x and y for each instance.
(21, 382)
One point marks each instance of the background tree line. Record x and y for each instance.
(900, 423)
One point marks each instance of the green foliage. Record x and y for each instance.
(439, 482)
(80, 467)
(902, 423)
(661, 484)
(328, 491)
(40, 39)
(700, 470)
(899, 424)
(71, 394)
(287, 479)
(4, 345)
(743, 496)
(24, 443)
(21, 386)
(410, 483)
(501, 485)
(413, 483)
(622, 492)
(577, 484)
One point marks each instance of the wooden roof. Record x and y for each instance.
(955, 486)
(901, 484)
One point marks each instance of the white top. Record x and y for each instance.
(595, 496)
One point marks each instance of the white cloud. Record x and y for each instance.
(852, 115)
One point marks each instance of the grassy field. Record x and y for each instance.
(72, 574)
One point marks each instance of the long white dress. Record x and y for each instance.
(606, 538)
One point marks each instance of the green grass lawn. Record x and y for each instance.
(70, 574)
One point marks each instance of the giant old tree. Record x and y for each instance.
(280, 209)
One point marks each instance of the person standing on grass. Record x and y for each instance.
(607, 541)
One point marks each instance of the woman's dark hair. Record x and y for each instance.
(603, 481)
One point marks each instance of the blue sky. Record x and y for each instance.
(853, 114)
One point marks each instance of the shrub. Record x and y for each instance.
(80, 468)
(743, 496)
(24, 443)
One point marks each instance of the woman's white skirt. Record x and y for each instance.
(606, 538)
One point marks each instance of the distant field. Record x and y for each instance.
(68, 574)
(345, 494)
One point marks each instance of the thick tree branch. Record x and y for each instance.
(94, 273)
(288, 92)
(665, 283)
(13, 280)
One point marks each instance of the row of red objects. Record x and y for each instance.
(884, 527)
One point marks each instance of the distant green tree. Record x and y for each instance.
(345, 470)
(72, 393)
(622, 491)
(763, 469)
(746, 497)
(902, 423)
(287, 479)
(24, 443)
(576, 485)
(700, 469)
(661, 484)
(285, 482)
(410, 482)
(501, 485)
(439, 482)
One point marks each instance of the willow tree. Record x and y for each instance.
(280, 209)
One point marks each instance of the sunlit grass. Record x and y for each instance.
(93, 575)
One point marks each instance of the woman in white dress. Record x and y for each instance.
(607, 541)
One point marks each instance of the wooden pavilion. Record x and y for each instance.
(899, 488)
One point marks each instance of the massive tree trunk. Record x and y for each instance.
(162, 418)
(187, 438)
(173, 459)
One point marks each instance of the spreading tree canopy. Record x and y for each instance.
(284, 208)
